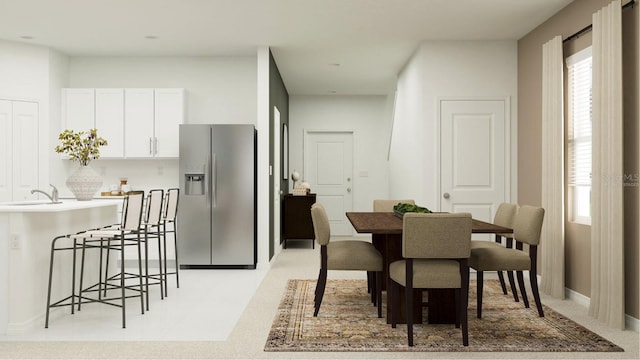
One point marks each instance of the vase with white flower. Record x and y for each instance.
(82, 147)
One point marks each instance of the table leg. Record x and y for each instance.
(441, 306)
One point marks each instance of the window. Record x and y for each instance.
(579, 136)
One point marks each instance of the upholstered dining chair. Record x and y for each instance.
(343, 255)
(436, 250)
(526, 230)
(505, 215)
(387, 205)
(383, 205)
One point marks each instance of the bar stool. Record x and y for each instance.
(108, 238)
(151, 227)
(169, 226)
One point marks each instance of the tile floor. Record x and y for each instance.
(179, 317)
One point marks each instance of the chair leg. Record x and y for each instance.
(512, 283)
(140, 276)
(53, 250)
(409, 299)
(164, 245)
(160, 267)
(378, 276)
(146, 268)
(322, 282)
(84, 246)
(523, 291)
(122, 288)
(464, 304)
(175, 245)
(536, 294)
(409, 312)
(502, 283)
(479, 293)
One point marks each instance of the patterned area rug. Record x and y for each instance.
(348, 322)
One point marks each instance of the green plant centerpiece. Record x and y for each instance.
(82, 147)
(401, 208)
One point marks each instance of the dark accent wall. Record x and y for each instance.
(278, 97)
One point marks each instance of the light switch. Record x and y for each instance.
(15, 241)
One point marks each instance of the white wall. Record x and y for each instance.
(368, 117)
(443, 69)
(218, 90)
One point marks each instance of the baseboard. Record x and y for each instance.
(630, 322)
(577, 297)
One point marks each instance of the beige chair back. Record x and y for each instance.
(387, 205)
(528, 224)
(133, 210)
(171, 204)
(505, 215)
(321, 226)
(154, 207)
(445, 236)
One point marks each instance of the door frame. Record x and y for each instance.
(510, 145)
(305, 135)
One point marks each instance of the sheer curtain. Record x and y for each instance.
(552, 241)
(607, 240)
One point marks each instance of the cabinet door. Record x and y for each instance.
(6, 150)
(110, 121)
(138, 128)
(169, 114)
(25, 149)
(78, 109)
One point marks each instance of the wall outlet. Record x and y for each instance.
(15, 242)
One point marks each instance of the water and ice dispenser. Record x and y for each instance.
(194, 184)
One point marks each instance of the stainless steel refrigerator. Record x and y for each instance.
(217, 211)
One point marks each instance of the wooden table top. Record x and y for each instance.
(389, 223)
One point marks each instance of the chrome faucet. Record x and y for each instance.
(54, 193)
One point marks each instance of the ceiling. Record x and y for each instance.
(321, 46)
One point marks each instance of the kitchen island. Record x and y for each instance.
(26, 231)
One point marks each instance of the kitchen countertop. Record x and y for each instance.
(33, 206)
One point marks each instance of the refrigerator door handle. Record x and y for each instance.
(214, 171)
(207, 187)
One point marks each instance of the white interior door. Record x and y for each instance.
(328, 168)
(473, 152)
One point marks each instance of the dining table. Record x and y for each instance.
(386, 234)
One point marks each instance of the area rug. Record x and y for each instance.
(347, 321)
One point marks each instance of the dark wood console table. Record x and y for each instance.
(296, 220)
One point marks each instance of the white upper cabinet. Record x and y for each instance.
(78, 109)
(138, 129)
(137, 123)
(169, 114)
(109, 112)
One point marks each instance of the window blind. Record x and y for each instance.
(579, 132)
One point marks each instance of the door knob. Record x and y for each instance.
(445, 195)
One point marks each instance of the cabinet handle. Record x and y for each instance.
(155, 146)
(150, 146)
